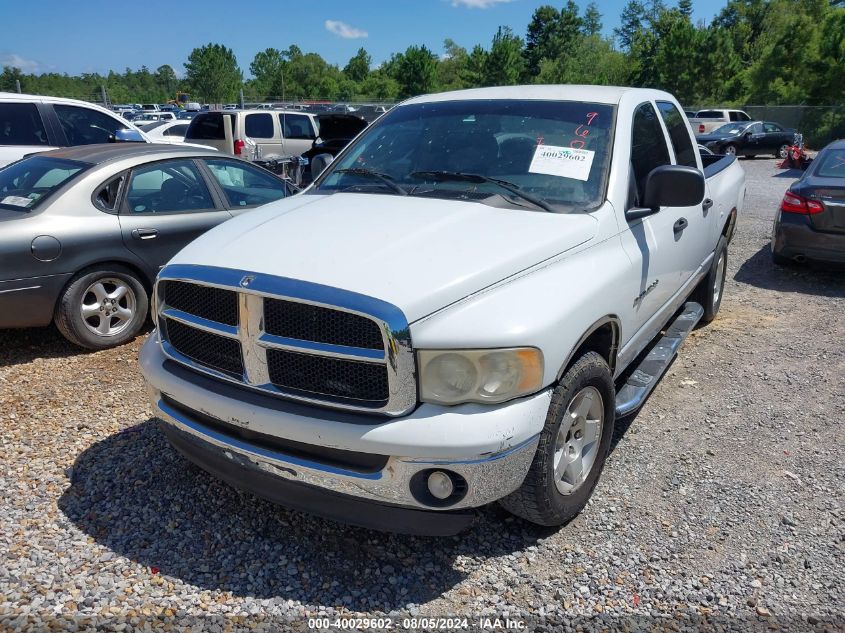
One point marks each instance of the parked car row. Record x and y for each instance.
(85, 230)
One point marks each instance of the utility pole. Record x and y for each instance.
(241, 99)
(105, 96)
(18, 85)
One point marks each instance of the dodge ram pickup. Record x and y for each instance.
(454, 313)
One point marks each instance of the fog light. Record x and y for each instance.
(440, 485)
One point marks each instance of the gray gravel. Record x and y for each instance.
(720, 507)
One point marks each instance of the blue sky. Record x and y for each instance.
(96, 35)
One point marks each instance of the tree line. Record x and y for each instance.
(753, 51)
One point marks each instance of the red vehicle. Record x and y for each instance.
(796, 156)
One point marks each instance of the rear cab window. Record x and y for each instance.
(26, 184)
(709, 114)
(21, 124)
(676, 124)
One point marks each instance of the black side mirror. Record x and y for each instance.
(669, 186)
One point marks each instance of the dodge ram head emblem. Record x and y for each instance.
(248, 279)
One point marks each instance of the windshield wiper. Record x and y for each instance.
(458, 176)
(377, 175)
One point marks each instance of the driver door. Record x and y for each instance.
(166, 205)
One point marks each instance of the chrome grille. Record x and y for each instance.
(293, 339)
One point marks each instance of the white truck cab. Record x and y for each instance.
(454, 313)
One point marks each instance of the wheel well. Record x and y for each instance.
(602, 339)
(730, 225)
(140, 274)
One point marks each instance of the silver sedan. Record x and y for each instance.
(84, 231)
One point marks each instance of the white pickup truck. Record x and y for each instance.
(705, 121)
(453, 314)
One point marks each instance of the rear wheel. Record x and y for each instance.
(573, 446)
(709, 292)
(729, 149)
(783, 151)
(102, 308)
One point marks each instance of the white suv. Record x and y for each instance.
(32, 123)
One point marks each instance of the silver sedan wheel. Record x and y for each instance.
(720, 278)
(578, 440)
(108, 306)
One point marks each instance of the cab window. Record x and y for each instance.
(676, 124)
(648, 147)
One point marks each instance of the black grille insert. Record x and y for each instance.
(323, 325)
(214, 304)
(212, 350)
(322, 375)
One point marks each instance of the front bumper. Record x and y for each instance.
(794, 237)
(490, 447)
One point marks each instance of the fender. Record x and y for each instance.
(614, 322)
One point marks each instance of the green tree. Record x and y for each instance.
(451, 70)
(592, 19)
(212, 73)
(415, 71)
(359, 66)
(268, 71)
(632, 20)
(594, 61)
(8, 79)
(541, 39)
(504, 63)
(685, 8)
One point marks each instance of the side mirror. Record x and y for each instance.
(319, 164)
(669, 186)
(127, 136)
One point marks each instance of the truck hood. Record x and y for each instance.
(417, 253)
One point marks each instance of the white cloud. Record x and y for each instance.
(478, 4)
(26, 65)
(341, 29)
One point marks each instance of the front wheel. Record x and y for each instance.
(573, 446)
(783, 151)
(729, 149)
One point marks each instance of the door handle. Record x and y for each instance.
(706, 204)
(145, 234)
(680, 225)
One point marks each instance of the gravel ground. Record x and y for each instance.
(720, 507)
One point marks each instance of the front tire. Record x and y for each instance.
(573, 446)
(729, 149)
(102, 308)
(783, 151)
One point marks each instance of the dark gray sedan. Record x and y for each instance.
(84, 231)
(810, 224)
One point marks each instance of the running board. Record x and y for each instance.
(645, 377)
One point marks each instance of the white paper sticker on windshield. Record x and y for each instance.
(17, 201)
(562, 161)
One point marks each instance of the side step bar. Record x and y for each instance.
(645, 377)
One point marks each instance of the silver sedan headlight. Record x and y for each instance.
(479, 375)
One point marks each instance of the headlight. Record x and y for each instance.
(483, 375)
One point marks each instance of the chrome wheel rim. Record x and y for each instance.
(578, 440)
(108, 306)
(783, 152)
(720, 278)
(730, 150)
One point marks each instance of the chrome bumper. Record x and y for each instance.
(488, 478)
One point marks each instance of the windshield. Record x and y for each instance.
(554, 151)
(26, 183)
(730, 129)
